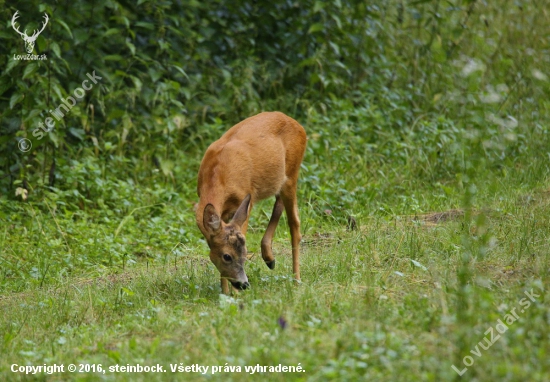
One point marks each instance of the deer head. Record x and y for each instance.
(227, 243)
(29, 40)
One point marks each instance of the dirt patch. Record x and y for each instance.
(535, 199)
(432, 219)
(319, 239)
(508, 275)
(436, 218)
(441, 217)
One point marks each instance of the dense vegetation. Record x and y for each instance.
(428, 122)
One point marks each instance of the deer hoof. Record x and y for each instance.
(270, 264)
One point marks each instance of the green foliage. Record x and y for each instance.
(392, 75)
(410, 107)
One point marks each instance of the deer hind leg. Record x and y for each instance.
(267, 240)
(290, 201)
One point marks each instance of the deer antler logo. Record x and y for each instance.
(29, 40)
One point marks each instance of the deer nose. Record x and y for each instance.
(239, 285)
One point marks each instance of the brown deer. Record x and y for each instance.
(255, 159)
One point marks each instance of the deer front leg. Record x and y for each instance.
(225, 286)
(267, 240)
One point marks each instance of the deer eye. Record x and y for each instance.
(227, 258)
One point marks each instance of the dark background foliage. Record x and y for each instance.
(175, 74)
(428, 126)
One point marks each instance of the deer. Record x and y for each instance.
(29, 40)
(258, 158)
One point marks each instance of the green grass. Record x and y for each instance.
(427, 122)
(404, 296)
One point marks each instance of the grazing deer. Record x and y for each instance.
(255, 159)
(29, 40)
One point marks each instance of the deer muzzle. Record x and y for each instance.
(239, 285)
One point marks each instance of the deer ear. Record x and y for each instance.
(210, 219)
(242, 213)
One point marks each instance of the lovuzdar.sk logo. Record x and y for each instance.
(29, 40)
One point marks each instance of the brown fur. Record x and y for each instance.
(260, 157)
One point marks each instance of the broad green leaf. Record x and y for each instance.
(15, 99)
(179, 69)
(33, 114)
(319, 5)
(57, 90)
(30, 69)
(337, 19)
(54, 138)
(11, 64)
(113, 57)
(132, 47)
(111, 31)
(78, 133)
(137, 83)
(55, 48)
(154, 74)
(145, 25)
(5, 84)
(64, 25)
(315, 28)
